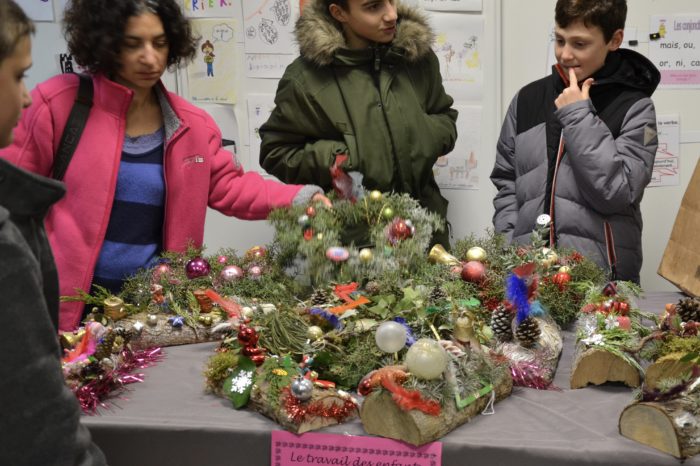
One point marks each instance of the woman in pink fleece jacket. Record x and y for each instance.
(148, 163)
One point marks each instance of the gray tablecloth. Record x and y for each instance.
(169, 420)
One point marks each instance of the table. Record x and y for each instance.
(169, 420)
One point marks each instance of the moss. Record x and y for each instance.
(218, 369)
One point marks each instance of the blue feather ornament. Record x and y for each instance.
(516, 292)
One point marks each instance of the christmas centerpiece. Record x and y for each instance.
(609, 335)
(186, 295)
(99, 362)
(666, 414)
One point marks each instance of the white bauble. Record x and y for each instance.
(426, 359)
(390, 336)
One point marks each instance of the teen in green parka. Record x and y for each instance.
(368, 85)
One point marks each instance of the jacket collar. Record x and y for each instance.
(116, 99)
(320, 37)
(27, 194)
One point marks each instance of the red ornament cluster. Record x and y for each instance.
(248, 338)
(399, 230)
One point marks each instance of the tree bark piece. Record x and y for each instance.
(259, 401)
(163, 334)
(381, 416)
(670, 426)
(598, 366)
(666, 367)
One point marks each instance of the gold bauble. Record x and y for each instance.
(205, 320)
(114, 308)
(314, 332)
(70, 339)
(548, 257)
(375, 195)
(319, 236)
(565, 269)
(476, 254)
(388, 213)
(366, 255)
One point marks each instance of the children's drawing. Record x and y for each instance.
(457, 170)
(457, 47)
(666, 168)
(205, 83)
(259, 108)
(268, 26)
(210, 8)
(208, 51)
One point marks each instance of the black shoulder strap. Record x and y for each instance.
(74, 126)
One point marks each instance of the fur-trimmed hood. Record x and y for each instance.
(319, 35)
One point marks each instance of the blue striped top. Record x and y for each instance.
(134, 237)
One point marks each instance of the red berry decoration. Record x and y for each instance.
(197, 267)
(473, 271)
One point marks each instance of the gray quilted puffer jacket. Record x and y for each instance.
(586, 164)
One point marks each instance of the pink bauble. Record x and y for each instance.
(255, 272)
(231, 273)
(197, 267)
(473, 271)
(222, 259)
(160, 271)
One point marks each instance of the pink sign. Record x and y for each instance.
(289, 449)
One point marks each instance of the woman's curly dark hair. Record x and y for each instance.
(94, 30)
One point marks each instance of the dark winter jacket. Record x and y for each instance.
(593, 188)
(40, 416)
(384, 106)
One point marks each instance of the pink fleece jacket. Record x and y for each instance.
(198, 173)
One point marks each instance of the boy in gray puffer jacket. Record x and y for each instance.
(579, 145)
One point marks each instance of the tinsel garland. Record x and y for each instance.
(299, 411)
(93, 393)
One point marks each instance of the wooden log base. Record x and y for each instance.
(597, 366)
(163, 334)
(671, 426)
(381, 416)
(666, 367)
(260, 403)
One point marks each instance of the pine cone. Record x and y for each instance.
(373, 287)
(689, 309)
(319, 298)
(527, 332)
(501, 323)
(104, 347)
(437, 295)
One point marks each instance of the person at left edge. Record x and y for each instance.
(148, 163)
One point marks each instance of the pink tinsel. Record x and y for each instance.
(92, 393)
(527, 374)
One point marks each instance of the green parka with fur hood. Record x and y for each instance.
(383, 106)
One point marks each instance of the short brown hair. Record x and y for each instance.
(608, 15)
(14, 24)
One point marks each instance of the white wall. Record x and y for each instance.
(525, 27)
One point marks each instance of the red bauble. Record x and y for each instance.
(623, 308)
(399, 230)
(308, 234)
(247, 336)
(197, 267)
(311, 211)
(473, 271)
(624, 322)
(561, 279)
